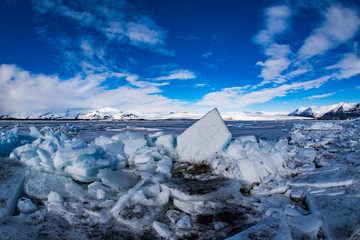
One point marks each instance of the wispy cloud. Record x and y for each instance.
(200, 85)
(339, 26)
(22, 91)
(348, 67)
(238, 97)
(277, 22)
(116, 20)
(272, 69)
(181, 74)
(207, 54)
(286, 62)
(320, 96)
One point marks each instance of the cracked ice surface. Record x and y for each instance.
(131, 185)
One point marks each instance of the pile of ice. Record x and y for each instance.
(246, 158)
(55, 152)
(253, 160)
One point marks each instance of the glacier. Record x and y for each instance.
(303, 184)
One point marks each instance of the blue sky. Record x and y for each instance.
(162, 56)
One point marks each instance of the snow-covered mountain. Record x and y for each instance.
(336, 111)
(116, 114)
(99, 114)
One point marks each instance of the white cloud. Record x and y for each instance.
(21, 91)
(321, 96)
(272, 69)
(348, 67)
(276, 22)
(235, 98)
(181, 74)
(340, 25)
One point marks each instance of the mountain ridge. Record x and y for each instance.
(341, 110)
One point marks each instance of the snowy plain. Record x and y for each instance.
(122, 180)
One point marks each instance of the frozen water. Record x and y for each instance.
(204, 138)
(307, 184)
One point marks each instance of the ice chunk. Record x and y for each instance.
(162, 229)
(25, 205)
(132, 141)
(11, 184)
(167, 141)
(338, 213)
(117, 180)
(96, 190)
(204, 138)
(184, 222)
(39, 184)
(9, 141)
(326, 177)
(34, 132)
(308, 224)
(75, 191)
(55, 202)
(46, 160)
(112, 149)
(248, 170)
(164, 165)
(269, 228)
(55, 197)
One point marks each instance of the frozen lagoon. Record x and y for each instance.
(314, 196)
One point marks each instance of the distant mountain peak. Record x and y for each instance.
(335, 111)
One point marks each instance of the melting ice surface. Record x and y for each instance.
(128, 181)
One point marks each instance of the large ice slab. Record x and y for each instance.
(270, 228)
(340, 214)
(11, 183)
(204, 138)
(40, 184)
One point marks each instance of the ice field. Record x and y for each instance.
(180, 179)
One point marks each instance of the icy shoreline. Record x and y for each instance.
(305, 185)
